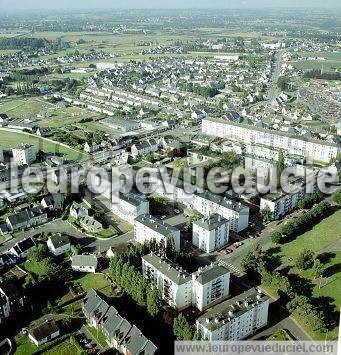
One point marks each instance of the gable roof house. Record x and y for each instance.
(144, 147)
(23, 247)
(58, 244)
(90, 224)
(26, 219)
(11, 301)
(118, 332)
(44, 332)
(84, 263)
(53, 202)
(77, 210)
(44, 132)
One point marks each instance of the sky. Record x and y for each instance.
(159, 4)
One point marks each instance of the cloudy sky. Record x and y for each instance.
(83, 4)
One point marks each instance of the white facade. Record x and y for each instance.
(293, 144)
(84, 263)
(236, 318)
(24, 155)
(1, 155)
(207, 203)
(129, 206)
(148, 228)
(211, 233)
(181, 289)
(58, 245)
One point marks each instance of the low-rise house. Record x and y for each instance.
(11, 301)
(91, 147)
(44, 132)
(90, 224)
(118, 332)
(53, 202)
(44, 332)
(24, 154)
(84, 263)
(3, 228)
(26, 219)
(144, 147)
(58, 244)
(77, 210)
(23, 247)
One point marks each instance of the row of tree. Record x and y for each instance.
(256, 262)
(299, 225)
(320, 74)
(136, 286)
(183, 330)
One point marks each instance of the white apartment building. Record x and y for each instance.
(206, 202)
(210, 284)
(181, 289)
(211, 233)
(148, 228)
(129, 206)
(293, 144)
(235, 318)
(24, 154)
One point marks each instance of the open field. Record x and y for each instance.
(317, 64)
(65, 348)
(95, 281)
(25, 346)
(320, 239)
(11, 139)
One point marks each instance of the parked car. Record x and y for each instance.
(228, 251)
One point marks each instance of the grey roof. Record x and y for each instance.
(210, 272)
(271, 131)
(43, 330)
(24, 245)
(84, 260)
(59, 240)
(168, 268)
(135, 341)
(220, 312)
(132, 198)
(212, 222)
(91, 301)
(156, 224)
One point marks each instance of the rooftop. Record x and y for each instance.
(156, 224)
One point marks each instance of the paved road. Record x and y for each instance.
(90, 244)
(272, 86)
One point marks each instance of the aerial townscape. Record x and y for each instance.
(168, 174)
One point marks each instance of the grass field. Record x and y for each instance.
(95, 281)
(25, 346)
(320, 239)
(317, 64)
(11, 139)
(98, 335)
(65, 348)
(280, 335)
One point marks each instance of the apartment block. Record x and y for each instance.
(251, 135)
(24, 154)
(181, 289)
(236, 318)
(129, 206)
(211, 233)
(148, 228)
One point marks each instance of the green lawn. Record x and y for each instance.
(95, 281)
(107, 233)
(65, 348)
(317, 64)
(97, 334)
(280, 335)
(37, 268)
(12, 139)
(25, 346)
(319, 237)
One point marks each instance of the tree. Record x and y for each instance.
(276, 237)
(75, 249)
(337, 197)
(39, 253)
(252, 258)
(280, 166)
(318, 269)
(182, 329)
(153, 302)
(29, 281)
(266, 214)
(305, 260)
